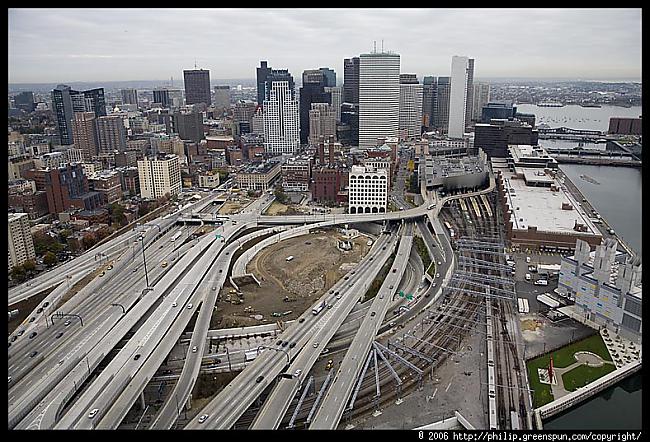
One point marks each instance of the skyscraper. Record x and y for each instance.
(322, 122)
(312, 91)
(410, 106)
(470, 91)
(442, 104)
(480, 97)
(266, 75)
(111, 134)
(66, 101)
(25, 101)
(129, 96)
(85, 134)
(378, 97)
(335, 99)
(21, 244)
(189, 126)
(281, 119)
(197, 86)
(330, 77)
(429, 99)
(351, 80)
(222, 97)
(458, 96)
(159, 176)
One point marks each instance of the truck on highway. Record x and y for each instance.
(318, 308)
(252, 354)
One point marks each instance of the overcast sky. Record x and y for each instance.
(65, 45)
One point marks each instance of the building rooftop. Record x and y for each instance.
(542, 207)
(259, 168)
(15, 216)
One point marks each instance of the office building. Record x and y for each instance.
(378, 97)
(460, 72)
(498, 110)
(85, 134)
(162, 96)
(329, 77)
(129, 96)
(25, 101)
(111, 135)
(222, 98)
(258, 177)
(429, 99)
(335, 99)
(410, 107)
(281, 120)
(108, 184)
(351, 80)
(189, 126)
(312, 91)
(469, 100)
(480, 98)
(441, 117)
(322, 122)
(208, 181)
(266, 76)
(197, 86)
(21, 244)
(494, 137)
(159, 176)
(606, 287)
(368, 188)
(296, 173)
(257, 121)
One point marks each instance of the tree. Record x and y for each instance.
(65, 234)
(29, 266)
(280, 196)
(18, 273)
(49, 259)
(117, 214)
(89, 241)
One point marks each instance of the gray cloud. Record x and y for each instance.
(52, 45)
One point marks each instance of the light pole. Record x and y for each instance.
(144, 259)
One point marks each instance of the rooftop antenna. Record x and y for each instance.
(382, 45)
(195, 63)
(374, 46)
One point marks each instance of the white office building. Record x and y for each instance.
(367, 190)
(21, 244)
(458, 96)
(378, 97)
(159, 176)
(281, 120)
(410, 107)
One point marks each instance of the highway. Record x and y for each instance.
(238, 395)
(339, 391)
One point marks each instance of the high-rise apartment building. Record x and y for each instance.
(410, 107)
(266, 76)
(335, 99)
(111, 134)
(222, 97)
(85, 134)
(378, 97)
(442, 104)
(159, 176)
(66, 101)
(322, 122)
(480, 98)
(368, 190)
(351, 80)
(281, 119)
(129, 96)
(21, 244)
(429, 99)
(458, 96)
(197, 86)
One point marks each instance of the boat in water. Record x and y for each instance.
(550, 104)
(590, 105)
(589, 179)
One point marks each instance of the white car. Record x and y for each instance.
(315, 344)
(528, 259)
(203, 418)
(194, 349)
(189, 306)
(174, 304)
(297, 373)
(93, 413)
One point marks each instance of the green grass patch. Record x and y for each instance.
(583, 375)
(543, 394)
(422, 251)
(379, 280)
(594, 344)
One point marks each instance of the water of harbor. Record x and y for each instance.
(616, 408)
(615, 192)
(578, 117)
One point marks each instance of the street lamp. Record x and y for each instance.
(144, 259)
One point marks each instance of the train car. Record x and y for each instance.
(514, 421)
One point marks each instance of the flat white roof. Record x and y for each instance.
(541, 207)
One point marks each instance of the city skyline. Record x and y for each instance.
(520, 42)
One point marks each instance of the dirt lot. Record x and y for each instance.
(230, 208)
(277, 208)
(316, 266)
